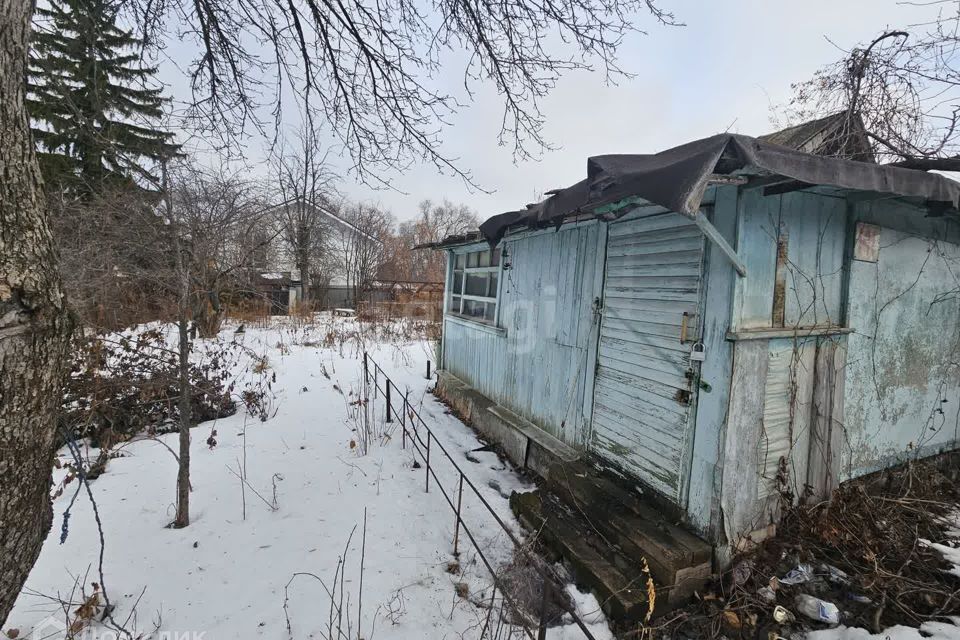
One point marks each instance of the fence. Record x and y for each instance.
(412, 426)
(430, 310)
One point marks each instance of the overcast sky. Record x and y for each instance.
(723, 70)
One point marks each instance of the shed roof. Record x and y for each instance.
(839, 134)
(677, 178)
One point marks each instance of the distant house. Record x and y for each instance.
(681, 339)
(336, 246)
(279, 290)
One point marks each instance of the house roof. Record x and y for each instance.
(677, 179)
(274, 279)
(839, 135)
(329, 214)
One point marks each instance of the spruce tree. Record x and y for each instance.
(91, 100)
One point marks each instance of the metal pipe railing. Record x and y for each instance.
(410, 419)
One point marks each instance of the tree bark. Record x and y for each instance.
(303, 264)
(182, 518)
(183, 405)
(34, 323)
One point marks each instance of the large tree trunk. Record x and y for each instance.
(34, 323)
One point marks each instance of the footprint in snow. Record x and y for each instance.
(495, 485)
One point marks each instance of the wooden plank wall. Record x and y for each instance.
(772, 404)
(538, 361)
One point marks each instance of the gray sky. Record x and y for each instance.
(724, 70)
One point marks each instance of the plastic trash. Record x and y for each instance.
(833, 574)
(802, 573)
(817, 609)
(783, 615)
(767, 594)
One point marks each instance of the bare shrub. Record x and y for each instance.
(122, 385)
(524, 580)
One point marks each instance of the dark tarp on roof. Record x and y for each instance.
(677, 178)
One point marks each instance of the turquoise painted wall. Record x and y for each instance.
(902, 394)
(538, 361)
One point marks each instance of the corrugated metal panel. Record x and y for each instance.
(537, 362)
(787, 406)
(641, 411)
(775, 436)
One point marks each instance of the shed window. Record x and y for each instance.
(473, 291)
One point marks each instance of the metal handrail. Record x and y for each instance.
(408, 413)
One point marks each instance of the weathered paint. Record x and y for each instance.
(537, 361)
(814, 227)
(643, 394)
(902, 388)
(783, 441)
(740, 512)
(763, 397)
(713, 395)
(826, 426)
(794, 248)
(768, 429)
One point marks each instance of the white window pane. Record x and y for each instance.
(495, 261)
(461, 261)
(492, 291)
(458, 281)
(454, 304)
(490, 312)
(484, 258)
(473, 259)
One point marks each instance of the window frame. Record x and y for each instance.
(465, 272)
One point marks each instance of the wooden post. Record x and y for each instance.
(826, 436)
(778, 317)
(428, 369)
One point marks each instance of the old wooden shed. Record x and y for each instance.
(714, 324)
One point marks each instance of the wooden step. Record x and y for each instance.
(678, 559)
(622, 594)
(605, 533)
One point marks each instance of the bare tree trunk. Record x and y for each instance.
(304, 268)
(183, 404)
(303, 264)
(34, 324)
(182, 518)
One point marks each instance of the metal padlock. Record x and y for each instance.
(697, 353)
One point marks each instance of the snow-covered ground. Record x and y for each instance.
(241, 571)
(228, 576)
